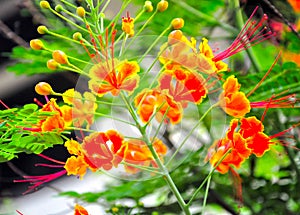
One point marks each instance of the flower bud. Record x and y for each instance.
(148, 6)
(52, 64)
(60, 57)
(36, 44)
(43, 88)
(77, 36)
(44, 4)
(59, 8)
(162, 5)
(177, 23)
(80, 11)
(175, 36)
(42, 29)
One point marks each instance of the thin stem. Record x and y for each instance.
(206, 193)
(204, 16)
(114, 118)
(148, 169)
(163, 169)
(190, 133)
(154, 43)
(207, 178)
(240, 23)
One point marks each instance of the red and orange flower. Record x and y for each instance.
(113, 76)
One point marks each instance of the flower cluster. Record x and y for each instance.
(188, 75)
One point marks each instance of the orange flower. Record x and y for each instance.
(150, 102)
(232, 101)
(249, 139)
(252, 130)
(137, 152)
(234, 142)
(179, 51)
(77, 164)
(189, 87)
(60, 119)
(83, 107)
(79, 210)
(103, 149)
(205, 59)
(128, 25)
(108, 78)
(295, 4)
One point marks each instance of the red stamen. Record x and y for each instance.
(285, 131)
(36, 181)
(47, 99)
(86, 49)
(265, 76)
(251, 34)
(51, 159)
(19, 212)
(49, 165)
(283, 102)
(4, 104)
(38, 102)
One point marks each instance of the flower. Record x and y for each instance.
(79, 210)
(108, 78)
(128, 25)
(234, 142)
(159, 103)
(248, 139)
(60, 118)
(232, 101)
(83, 108)
(78, 163)
(137, 152)
(295, 4)
(103, 149)
(189, 86)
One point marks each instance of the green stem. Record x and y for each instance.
(204, 16)
(163, 169)
(148, 169)
(206, 193)
(154, 43)
(68, 20)
(240, 24)
(190, 133)
(207, 178)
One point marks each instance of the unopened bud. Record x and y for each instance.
(52, 64)
(148, 6)
(60, 57)
(162, 5)
(175, 36)
(42, 29)
(36, 44)
(44, 4)
(177, 23)
(80, 11)
(43, 88)
(77, 36)
(59, 8)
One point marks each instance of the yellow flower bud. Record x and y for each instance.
(148, 6)
(44, 4)
(59, 8)
(52, 64)
(175, 36)
(177, 23)
(162, 5)
(80, 11)
(115, 209)
(77, 36)
(36, 44)
(43, 88)
(42, 29)
(60, 57)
